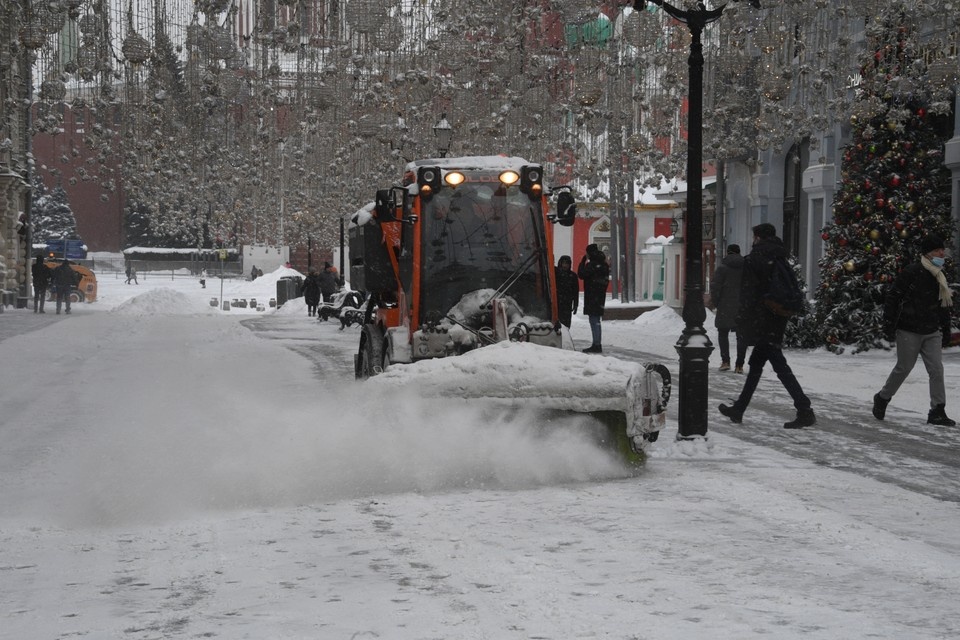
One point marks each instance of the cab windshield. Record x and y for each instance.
(482, 235)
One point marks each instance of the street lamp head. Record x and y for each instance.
(443, 131)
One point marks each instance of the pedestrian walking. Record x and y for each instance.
(725, 298)
(329, 281)
(65, 279)
(131, 273)
(568, 290)
(41, 280)
(759, 326)
(203, 278)
(253, 273)
(311, 291)
(916, 315)
(595, 273)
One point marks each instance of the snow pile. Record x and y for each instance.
(294, 307)
(664, 321)
(162, 301)
(270, 279)
(557, 377)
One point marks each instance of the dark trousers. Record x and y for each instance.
(63, 296)
(772, 353)
(565, 315)
(39, 296)
(595, 330)
(723, 338)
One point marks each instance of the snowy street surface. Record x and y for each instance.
(170, 470)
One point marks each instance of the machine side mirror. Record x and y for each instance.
(384, 206)
(566, 209)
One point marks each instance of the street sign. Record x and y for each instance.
(223, 254)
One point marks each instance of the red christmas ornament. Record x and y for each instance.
(880, 202)
(825, 236)
(842, 242)
(895, 180)
(921, 112)
(867, 184)
(868, 276)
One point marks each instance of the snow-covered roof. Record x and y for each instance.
(491, 163)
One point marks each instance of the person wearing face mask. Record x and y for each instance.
(917, 318)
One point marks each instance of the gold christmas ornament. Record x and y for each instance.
(849, 265)
(874, 234)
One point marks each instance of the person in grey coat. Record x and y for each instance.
(725, 299)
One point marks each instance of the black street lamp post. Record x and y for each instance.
(693, 346)
(443, 131)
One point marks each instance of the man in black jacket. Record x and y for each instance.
(64, 279)
(595, 273)
(757, 325)
(41, 280)
(916, 316)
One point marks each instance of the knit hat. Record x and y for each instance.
(734, 248)
(931, 242)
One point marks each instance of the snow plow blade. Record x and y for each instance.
(626, 398)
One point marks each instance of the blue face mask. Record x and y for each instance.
(938, 262)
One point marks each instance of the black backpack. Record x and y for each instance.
(784, 297)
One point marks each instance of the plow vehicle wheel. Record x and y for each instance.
(370, 357)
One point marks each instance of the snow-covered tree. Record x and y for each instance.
(50, 213)
(894, 189)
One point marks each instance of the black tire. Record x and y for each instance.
(76, 296)
(370, 356)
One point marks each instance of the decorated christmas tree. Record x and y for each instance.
(894, 189)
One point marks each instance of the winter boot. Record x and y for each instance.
(938, 416)
(594, 348)
(738, 370)
(724, 366)
(880, 406)
(731, 411)
(805, 418)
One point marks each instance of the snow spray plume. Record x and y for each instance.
(388, 443)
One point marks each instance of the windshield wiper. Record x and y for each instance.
(512, 279)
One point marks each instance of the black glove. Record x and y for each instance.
(945, 342)
(890, 334)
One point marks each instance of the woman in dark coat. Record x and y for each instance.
(311, 291)
(595, 273)
(725, 298)
(568, 290)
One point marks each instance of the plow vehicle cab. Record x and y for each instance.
(460, 256)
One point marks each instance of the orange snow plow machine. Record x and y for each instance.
(459, 256)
